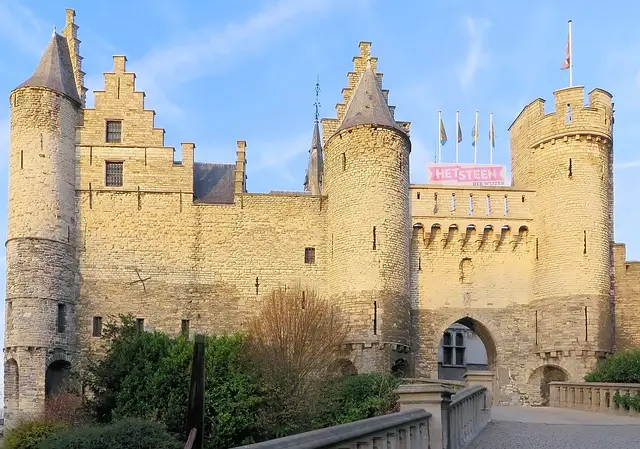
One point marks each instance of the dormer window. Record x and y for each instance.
(114, 131)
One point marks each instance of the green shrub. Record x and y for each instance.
(622, 367)
(627, 401)
(359, 397)
(27, 434)
(123, 434)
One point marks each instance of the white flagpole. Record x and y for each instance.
(457, 127)
(491, 137)
(475, 140)
(439, 137)
(570, 58)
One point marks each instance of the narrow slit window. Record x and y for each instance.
(374, 238)
(453, 202)
(570, 168)
(506, 206)
(536, 249)
(471, 204)
(488, 211)
(344, 161)
(184, 327)
(97, 326)
(435, 202)
(139, 325)
(114, 131)
(375, 318)
(568, 118)
(310, 255)
(114, 174)
(418, 195)
(21, 159)
(584, 249)
(62, 318)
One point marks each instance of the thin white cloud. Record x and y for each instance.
(628, 164)
(22, 27)
(211, 49)
(477, 55)
(277, 156)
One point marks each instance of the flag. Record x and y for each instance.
(492, 135)
(474, 134)
(443, 133)
(567, 57)
(459, 133)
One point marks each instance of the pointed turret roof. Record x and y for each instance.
(55, 70)
(368, 106)
(315, 140)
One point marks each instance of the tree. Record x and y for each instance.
(294, 339)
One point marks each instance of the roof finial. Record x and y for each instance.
(55, 30)
(317, 103)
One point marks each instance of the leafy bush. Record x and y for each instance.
(120, 435)
(359, 397)
(627, 401)
(67, 408)
(146, 375)
(622, 367)
(27, 434)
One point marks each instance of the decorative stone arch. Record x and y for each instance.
(539, 379)
(343, 367)
(57, 374)
(400, 367)
(11, 385)
(483, 327)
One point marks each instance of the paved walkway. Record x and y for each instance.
(557, 428)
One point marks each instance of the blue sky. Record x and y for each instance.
(217, 72)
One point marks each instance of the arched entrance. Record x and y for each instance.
(465, 345)
(539, 383)
(343, 367)
(11, 387)
(57, 377)
(400, 368)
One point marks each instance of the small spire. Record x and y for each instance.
(317, 103)
(55, 31)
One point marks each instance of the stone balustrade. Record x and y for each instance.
(468, 415)
(591, 396)
(431, 416)
(407, 429)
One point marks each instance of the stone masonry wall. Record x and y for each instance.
(627, 306)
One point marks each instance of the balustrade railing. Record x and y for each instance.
(468, 415)
(592, 396)
(409, 429)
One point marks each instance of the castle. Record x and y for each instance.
(103, 220)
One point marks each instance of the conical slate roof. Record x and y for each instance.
(55, 70)
(368, 106)
(315, 140)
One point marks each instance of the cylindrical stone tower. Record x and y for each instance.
(366, 164)
(567, 154)
(41, 285)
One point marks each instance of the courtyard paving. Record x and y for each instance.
(547, 427)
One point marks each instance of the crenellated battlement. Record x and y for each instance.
(570, 117)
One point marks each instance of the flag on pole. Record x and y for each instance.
(474, 134)
(492, 134)
(459, 132)
(567, 55)
(443, 133)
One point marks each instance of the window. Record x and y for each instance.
(97, 326)
(62, 318)
(453, 349)
(309, 255)
(184, 328)
(139, 324)
(114, 131)
(114, 174)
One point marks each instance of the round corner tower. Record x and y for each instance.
(366, 164)
(41, 285)
(566, 156)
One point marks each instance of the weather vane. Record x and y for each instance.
(317, 103)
